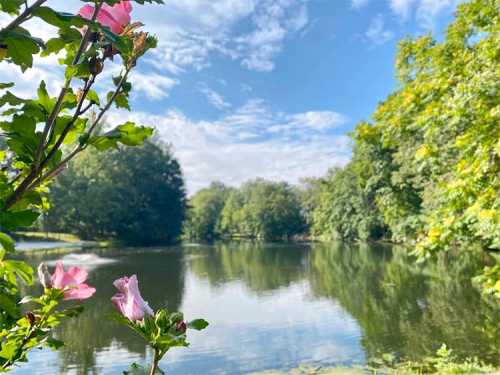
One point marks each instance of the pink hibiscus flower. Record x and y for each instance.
(72, 282)
(115, 17)
(129, 301)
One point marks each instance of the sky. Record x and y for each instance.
(258, 88)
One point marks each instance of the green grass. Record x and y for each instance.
(51, 236)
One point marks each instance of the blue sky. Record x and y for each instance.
(261, 88)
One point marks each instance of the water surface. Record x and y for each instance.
(277, 306)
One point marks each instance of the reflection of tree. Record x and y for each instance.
(261, 267)
(406, 308)
(161, 279)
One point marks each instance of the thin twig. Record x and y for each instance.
(22, 17)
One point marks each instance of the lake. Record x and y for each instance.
(276, 307)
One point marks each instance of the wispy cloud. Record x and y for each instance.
(357, 4)
(214, 98)
(425, 11)
(377, 33)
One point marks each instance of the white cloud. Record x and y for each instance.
(248, 142)
(359, 3)
(214, 98)
(402, 7)
(190, 33)
(154, 85)
(426, 11)
(377, 33)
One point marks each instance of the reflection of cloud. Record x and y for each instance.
(282, 328)
(115, 355)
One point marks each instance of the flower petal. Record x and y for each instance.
(81, 291)
(79, 275)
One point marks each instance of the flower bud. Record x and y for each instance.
(96, 66)
(44, 276)
(180, 327)
(31, 318)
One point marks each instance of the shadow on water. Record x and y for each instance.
(399, 306)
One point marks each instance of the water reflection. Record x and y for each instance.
(405, 308)
(261, 267)
(275, 306)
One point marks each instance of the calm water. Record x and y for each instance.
(277, 306)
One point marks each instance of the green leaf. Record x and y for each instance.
(6, 85)
(7, 243)
(21, 47)
(8, 304)
(11, 99)
(128, 134)
(43, 97)
(9, 349)
(11, 6)
(121, 101)
(59, 19)
(21, 269)
(11, 220)
(198, 324)
(93, 97)
(54, 344)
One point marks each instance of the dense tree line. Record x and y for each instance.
(258, 209)
(136, 196)
(427, 170)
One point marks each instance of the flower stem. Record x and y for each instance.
(154, 365)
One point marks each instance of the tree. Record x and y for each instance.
(262, 209)
(440, 130)
(204, 212)
(136, 196)
(344, 211)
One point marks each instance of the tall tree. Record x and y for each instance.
(136, 197)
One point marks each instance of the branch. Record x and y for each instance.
(23, 16)
(64, 133)
(56, 170)
(57, 108)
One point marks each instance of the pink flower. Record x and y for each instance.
(129, 301)
(115, 17)
(72, 282)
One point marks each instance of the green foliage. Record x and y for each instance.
(426, 172)
(344, 210)
(42, 133)
(440, 131)
(262, 209)
(204, 212)
(162, 332)
(134, 195)
(34, 329)
(258, 209)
